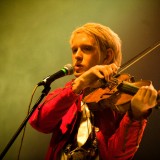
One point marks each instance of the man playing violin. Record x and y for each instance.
(82, 133)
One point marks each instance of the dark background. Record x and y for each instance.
(34, 37)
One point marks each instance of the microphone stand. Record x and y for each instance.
(44, 93)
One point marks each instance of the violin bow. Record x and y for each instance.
(138, 57)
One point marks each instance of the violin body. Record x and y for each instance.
(115, 94)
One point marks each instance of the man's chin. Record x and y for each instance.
(76, 74)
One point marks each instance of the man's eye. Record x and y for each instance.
(87, 48)
(74, 50)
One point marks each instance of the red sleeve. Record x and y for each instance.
(125, 142)
(48, 114)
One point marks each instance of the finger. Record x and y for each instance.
(114, 67)
(141, 91)
(147, 94)
(151, 96)
(99, 72)
(100, 75)
(108, 72)
(102, 72)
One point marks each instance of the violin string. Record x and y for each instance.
(138, 57)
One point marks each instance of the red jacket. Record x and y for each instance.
(118, 136)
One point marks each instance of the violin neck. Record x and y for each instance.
(127, 87)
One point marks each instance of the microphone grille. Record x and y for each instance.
(69, 69)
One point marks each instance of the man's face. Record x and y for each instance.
(85, 53)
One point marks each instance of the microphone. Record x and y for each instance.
(66, 70)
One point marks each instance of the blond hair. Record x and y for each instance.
(105, 38)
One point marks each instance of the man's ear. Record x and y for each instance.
(108, 59)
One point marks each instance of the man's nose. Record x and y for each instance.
(79, 54)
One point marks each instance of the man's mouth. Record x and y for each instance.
(78, 67)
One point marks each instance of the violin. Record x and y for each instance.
(118, 92)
